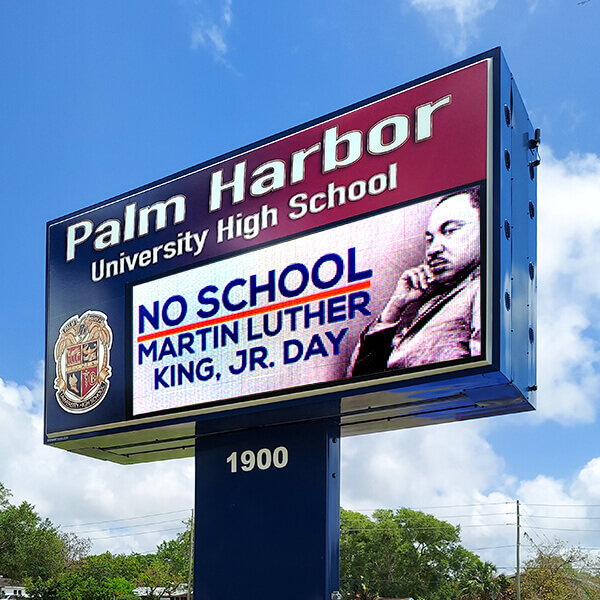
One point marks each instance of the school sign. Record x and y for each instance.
(246, 289)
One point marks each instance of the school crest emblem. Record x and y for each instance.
(82, 356)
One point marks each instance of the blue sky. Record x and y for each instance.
(100, 97)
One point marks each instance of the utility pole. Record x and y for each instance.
(518, 552)
(189, 582)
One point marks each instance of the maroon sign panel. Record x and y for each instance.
(415, 143)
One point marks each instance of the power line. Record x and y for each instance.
(425, 528)
(527, 517)
(475, 514)
(127, 527)
(566, 517)
(565, 529)
(172, 512)
(530, 522)
(109, 537)
(370, 510)
(570, 505)
(409, 518)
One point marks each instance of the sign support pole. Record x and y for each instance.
(267, 513)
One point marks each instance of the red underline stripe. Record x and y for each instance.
(355, 287)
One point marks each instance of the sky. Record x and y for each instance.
(101, 97)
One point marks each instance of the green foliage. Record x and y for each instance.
(5, 495)
(405, 554)
(55, 565)
(75, 586)
(356, 546)
(107, 566)
(479, 582)
(110, 577)
(102, 577)
(29, 545)
(75, 548)
(158, 579)
(558, 571)
(176, 553)
(114, 588)
(51, 589)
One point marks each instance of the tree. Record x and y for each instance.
(56, 566)
(51, 589)
(75, 548)
(101, 577)
(158, 579)
(558, 571)
(406, 553)
(176, 553)
(5, 495)
(355, 554)
(113, 577)
(29, 545)
(481, 582)
(102, 567)
(72, 586)
(33, 550)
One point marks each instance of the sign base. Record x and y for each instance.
(267, 513)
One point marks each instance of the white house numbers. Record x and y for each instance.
(264, 459)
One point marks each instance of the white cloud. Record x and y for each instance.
(563, 509)
(454, 20)
(448, 470)
(71, 489)
(227, 13)
(450, 453)
(568, 288)
(464, 11)
(211, 21)
(587, 484)
(452, 472)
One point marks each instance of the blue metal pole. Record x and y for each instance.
(267, 513)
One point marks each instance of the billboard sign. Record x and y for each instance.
(359, 255)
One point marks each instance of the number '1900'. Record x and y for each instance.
(263, 459)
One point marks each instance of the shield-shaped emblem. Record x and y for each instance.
(82, 355)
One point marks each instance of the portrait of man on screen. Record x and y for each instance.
(434, 312)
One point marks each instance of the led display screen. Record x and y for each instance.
(396, 291)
